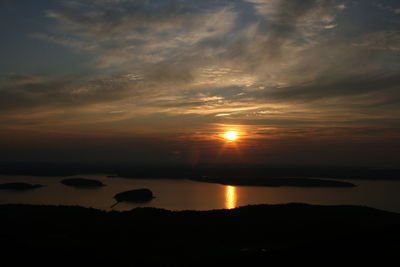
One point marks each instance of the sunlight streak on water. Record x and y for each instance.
(230, 197)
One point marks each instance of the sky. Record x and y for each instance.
(161, 81)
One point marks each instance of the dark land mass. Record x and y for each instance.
(82, 182)
(197, 171)
(275, 182)
(258, 235)
(19, 186)
(259, 172)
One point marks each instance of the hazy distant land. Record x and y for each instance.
(238, 175)
(275, 182)
(230, 172)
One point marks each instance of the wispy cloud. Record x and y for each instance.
(388, 40)
(243, 61)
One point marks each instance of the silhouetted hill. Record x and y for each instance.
(246, 236)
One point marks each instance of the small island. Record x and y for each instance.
(19, 186)
(136, 195)
(82, 182)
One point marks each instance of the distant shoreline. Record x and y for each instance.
(199, 171)
(276, 182)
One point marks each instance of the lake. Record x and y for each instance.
(183, 194)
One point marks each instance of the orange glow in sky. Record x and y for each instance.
(231, 135)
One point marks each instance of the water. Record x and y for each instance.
(190, 195)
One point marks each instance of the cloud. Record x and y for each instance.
(121, 32)
(19, 92)
(244, 61)
(395, 10)
(388, 40)
(133, 34)
(349, 86)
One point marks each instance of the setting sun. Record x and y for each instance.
(231, 135)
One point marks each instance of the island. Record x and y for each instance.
(82, 182)
(19, 186)
(274, 182)
(135, 195)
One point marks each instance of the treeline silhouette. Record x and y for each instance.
(247, 236)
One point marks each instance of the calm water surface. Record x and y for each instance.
(191, 195)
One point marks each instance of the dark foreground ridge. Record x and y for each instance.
(247, 236)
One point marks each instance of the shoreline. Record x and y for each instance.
(277, 182)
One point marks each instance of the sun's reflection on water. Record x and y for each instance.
(230, 197)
